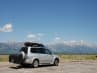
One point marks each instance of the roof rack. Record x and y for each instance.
(31, 44)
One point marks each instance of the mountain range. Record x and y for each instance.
(61, 47)
(10, 47)
(73, 47)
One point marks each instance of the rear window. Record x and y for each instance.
(24, 49)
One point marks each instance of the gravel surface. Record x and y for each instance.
(66, 67)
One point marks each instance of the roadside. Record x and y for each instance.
(66, 67)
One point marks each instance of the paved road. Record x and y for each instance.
(66, 67)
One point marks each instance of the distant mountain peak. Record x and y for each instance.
(73, 43)
(59, 46)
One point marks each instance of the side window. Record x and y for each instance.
(47, 51)
(42, 51)
(37, 50)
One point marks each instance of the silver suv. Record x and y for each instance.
(34, 54)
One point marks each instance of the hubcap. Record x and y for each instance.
(35, 63)
(56, 62)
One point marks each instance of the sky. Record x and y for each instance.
(46, 20)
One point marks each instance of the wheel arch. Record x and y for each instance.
(56, 59)
(35, 59)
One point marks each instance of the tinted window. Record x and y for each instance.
(47, 51)
(37, 50)
(24, 49)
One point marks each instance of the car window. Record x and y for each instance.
(47, 51)
(24, 49)
(37, 50)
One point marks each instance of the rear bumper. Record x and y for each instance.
(16, 58)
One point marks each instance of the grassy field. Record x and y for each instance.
(4, 58)
(78, 58)
(63, 58)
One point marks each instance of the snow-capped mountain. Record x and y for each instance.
(73, 47)
(59, 46)
(10, 47)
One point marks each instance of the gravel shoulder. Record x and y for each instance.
(65, 67)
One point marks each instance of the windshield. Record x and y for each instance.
(24, 49)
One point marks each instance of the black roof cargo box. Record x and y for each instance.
(33, 44)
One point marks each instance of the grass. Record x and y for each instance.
(78, 58)
(4, 58)
(63, 58)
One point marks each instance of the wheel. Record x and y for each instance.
(35, 64)
(56, 62)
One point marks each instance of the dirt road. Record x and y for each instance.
(66, 67)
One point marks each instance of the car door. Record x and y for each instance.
(48, 56)
(42, 56)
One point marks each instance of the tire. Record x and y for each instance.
(35, 64)
(56, 62)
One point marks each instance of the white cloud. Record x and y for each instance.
(35, 37)
(40, 34)
(6, 28)
(57, 38)
(31, 35)
(72, 43)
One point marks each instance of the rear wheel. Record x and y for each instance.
(35, 63)
(56, 62)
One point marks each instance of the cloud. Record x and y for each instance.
(31, 35)
(40, 34)
(71, 43)
(6, 28)
(35, 37)
(57, 38)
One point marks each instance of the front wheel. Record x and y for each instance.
(35, 63)
(56, 62)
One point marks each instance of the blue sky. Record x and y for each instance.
(48, 20)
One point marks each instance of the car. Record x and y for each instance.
(34, 54)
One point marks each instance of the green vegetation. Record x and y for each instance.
(77, 57)
(63, 58)
(4, 58)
